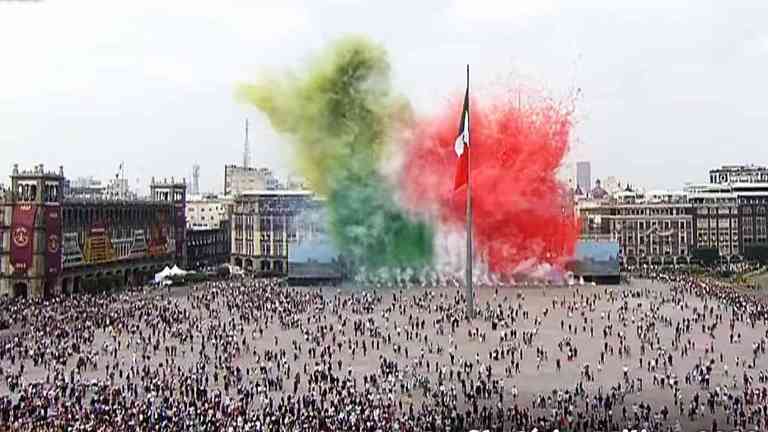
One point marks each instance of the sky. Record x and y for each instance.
(668, 89)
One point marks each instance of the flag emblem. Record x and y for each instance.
(53, 243)
(21, 237)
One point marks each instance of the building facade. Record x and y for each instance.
(657, 233)
(728, 215)
(738, 174)
(209, 247)
(263, 225)
(207, 212)
(647, 232)
(731, 217)
(53, 245)
(239, 179)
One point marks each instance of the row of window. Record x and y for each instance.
(87, 216)
(630, 252)
(267, 249)
(642, 225)
(653, 211)
(204, 209)
(651, 239)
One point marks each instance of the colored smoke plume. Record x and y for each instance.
(339, 113)
(521, 213)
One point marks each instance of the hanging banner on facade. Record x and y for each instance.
(73, 254)
(53, 242)
(98, 245)
(158, 241)
(181, 223)
(22, 237)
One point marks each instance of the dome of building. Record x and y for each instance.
(598, 192)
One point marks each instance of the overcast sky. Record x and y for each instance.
(670, 89)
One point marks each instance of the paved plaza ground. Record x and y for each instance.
(546, 321)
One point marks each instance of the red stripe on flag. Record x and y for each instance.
(462, 169)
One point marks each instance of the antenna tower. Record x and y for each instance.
(246, 148)
(195, 179)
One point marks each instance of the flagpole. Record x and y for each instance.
(470, 290)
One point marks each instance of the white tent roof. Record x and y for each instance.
(163, 274)
(176, 271)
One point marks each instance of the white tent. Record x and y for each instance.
(176, 271)
(166, 272)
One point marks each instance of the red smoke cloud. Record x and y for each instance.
(521, 212)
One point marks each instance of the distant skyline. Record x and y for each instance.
(669, 89)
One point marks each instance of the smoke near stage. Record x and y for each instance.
(346, 125)
(523, 215)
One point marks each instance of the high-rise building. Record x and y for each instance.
(584, 176)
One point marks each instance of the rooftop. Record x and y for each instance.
(739, 168)
(280, 192)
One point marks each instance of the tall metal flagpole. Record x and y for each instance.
(470, 290)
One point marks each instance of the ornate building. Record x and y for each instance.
(653, 229)
(727, 216)
(52, 244)
(263, 225)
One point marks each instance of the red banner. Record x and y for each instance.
(22, 237)
(52, 243)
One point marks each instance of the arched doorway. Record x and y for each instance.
(278, 266)
(76, 285)
(20, 290)
(265, 266)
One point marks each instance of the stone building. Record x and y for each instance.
(730, 217)
(263, 225)
(52, 244)
(648, 232)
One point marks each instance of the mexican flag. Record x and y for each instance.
(461, 146)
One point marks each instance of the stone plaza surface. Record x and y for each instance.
(216, 312)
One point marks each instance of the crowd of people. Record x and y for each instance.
(672, 353)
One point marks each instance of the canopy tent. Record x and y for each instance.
(165, 273)
(176, 271)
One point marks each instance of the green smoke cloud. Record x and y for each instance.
(340, 112)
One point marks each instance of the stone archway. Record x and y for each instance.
(76, 284)
(20, 290)
(239, 262)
